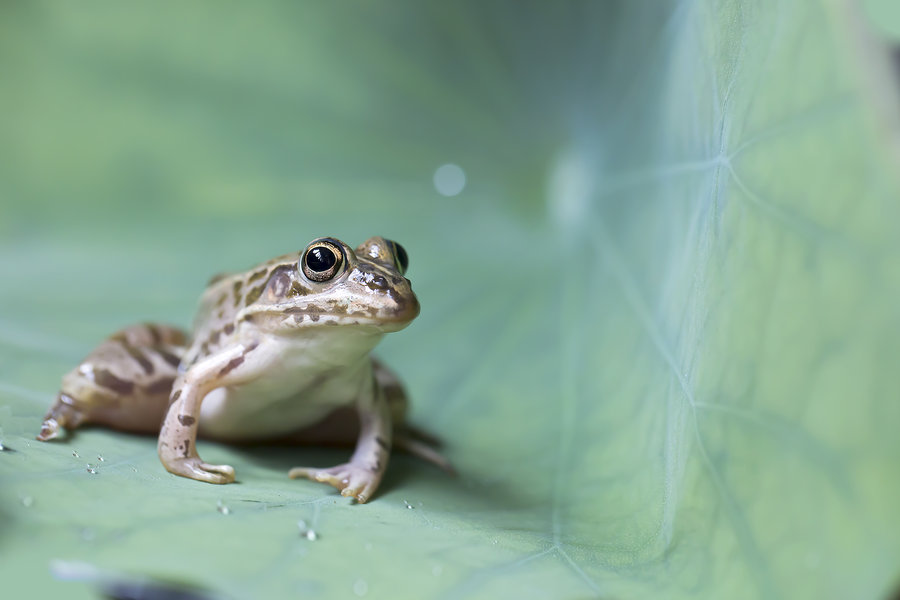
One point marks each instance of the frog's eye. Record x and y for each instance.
(322, 260)
(401, 259)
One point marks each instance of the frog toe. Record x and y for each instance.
(194, 468)
(329, 476)
(302, 473)
(218, 473)
(49, 430)
(361, 491)
(64, 414)
(351, 481)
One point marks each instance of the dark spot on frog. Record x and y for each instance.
(253, 295)
(214, 337)
(256, 275)
(138, 357)
(314, 317)
(106, 379)
(154, 332)
(229, 328)
(236, 291)
(168, 357)
(297, 289)
(221, 299)
(232, 365)
(204, 349)
(187, 448)
(161, 386)
(237, 361)
(176, 396)
(186, 420)
(384, 445)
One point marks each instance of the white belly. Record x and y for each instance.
(294, 393)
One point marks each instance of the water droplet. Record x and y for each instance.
(436, 570)
(360, 587)
(27, 501)
(220, 506)
(92, 469)
(75, 454)
(2, 447)
(307, 532)
(100, 457)
(408, 505)
(449, 180)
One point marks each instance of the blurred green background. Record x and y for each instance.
(659, 289)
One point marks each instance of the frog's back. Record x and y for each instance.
(224, 298)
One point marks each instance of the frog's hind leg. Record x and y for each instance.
(407, 437)
(124, 383)
(422, 450)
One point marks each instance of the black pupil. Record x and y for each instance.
(320, 259)
(402, 258)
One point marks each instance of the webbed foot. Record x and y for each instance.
(353, 481)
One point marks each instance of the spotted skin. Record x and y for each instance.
(276, 353)
(124, 383)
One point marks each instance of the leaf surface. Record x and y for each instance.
(659, 327)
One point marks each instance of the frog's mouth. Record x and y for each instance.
(294, 317)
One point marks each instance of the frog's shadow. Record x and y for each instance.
(283, 458)
(402, 470)
(481, 490)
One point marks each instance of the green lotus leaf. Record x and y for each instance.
(659, 284)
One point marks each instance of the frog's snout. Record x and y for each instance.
(388, 293)
(411, 309)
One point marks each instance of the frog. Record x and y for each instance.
(277, 353)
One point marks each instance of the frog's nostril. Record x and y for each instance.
(377, 282)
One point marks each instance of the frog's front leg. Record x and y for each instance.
(360, 477)
(177, 444)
